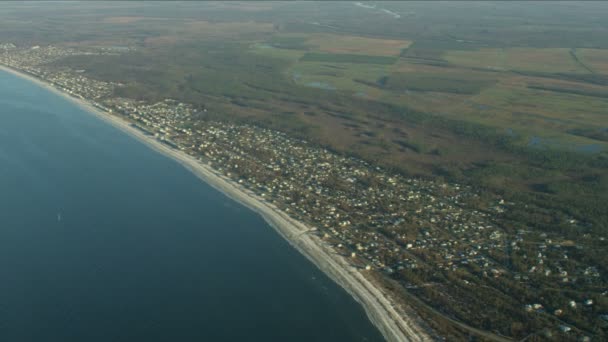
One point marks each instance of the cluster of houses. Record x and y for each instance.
(380, 220)
(34, 61)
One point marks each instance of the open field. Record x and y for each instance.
(204, 30)
(345, 44)
(536, 108)
(439, 82)
(121, 20)
(267, 50)
(520, 59)
(596, 59)
(351, 73)
(544, 111)
(343, 76)
(347, 58)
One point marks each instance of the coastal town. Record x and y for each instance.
(444, 243)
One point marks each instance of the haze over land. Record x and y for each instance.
(463, 146)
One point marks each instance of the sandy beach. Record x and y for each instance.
(393, 323)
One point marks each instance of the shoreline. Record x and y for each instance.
(379, 309)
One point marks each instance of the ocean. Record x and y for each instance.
(105, 239)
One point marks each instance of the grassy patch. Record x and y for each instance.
(344, 76)
(289, 42)
(596, 59)
(205, 30)
(268, 50)
(345, 44)
(600, 134)
(432, 50)
(482, 58)
(347, 58)
(435, 82)
(537, 118)
(571, 90)
(550, 60)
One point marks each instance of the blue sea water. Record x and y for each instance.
(104, 239)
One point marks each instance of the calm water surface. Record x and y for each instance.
(103, 239)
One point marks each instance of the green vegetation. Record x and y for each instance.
(525, 59)
(430, 82)
(287, 42)
(569, 90)
(347, 58)
(348, 44)
(502, 96)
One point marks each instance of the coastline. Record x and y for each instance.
(380, 310)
